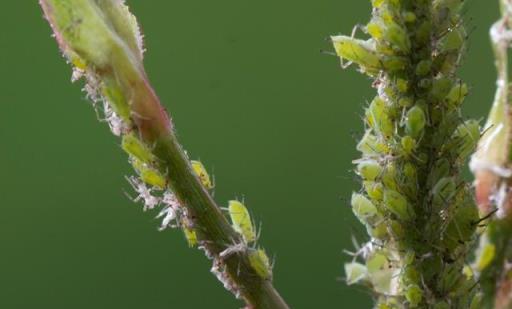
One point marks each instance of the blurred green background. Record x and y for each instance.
(251, 96)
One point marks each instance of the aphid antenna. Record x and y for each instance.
(327, 52)
(487, 216)
(358, 27)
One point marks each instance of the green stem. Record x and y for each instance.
(101, 38)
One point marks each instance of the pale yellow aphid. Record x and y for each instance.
(201, 172)
(133, 146)
(241, 220)
(148, 174)
(190, 236)
(260, 263)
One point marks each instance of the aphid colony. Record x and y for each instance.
(416, 207)
(142, 160)
(152, 187)
(101, 39)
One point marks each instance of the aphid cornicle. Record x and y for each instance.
(203, 175)
(241, 220)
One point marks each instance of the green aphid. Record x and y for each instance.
(260, 263)
(203, 175)
(378, 118)
(116, 98)
(377, 3)
(415, 121)
(363, 208)
(370, 145)
(441, 88)
(410, 174)
(355, 272)
(396, 229)
(380, 272)
(375, 29)
(444, 190)
(440, 170)
(452, 276)
(133, 146)
(358, 51)
(462, 227)
(385, 30)
(397, 204)
(423, 67)
(409, 17)
(405, 102)
(423, 32)
(394, 63)
(379, 231)
(452, 41)
(402, 85)
(374, 190)
(190, 236)
(397, 36)
(241, 220)
(466, 138)
(476, 302)
(390, 176)
(414, 295)
(457, 94)
(148, 174)
(411, 275)
(408, 145)
(369, 169)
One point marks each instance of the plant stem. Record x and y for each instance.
(100, 37)
(415, 204)
(491, 165)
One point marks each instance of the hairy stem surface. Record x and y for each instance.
(102, 40)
